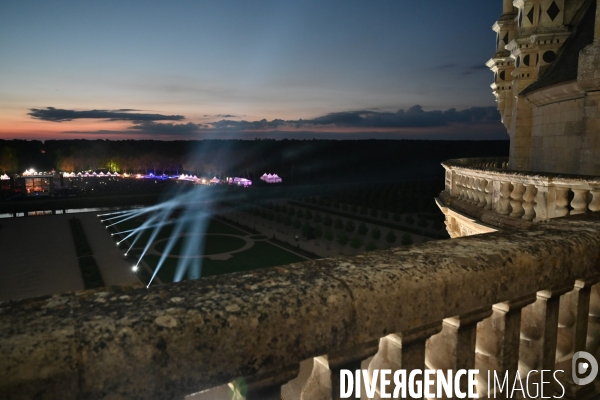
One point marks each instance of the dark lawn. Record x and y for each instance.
(261, 255)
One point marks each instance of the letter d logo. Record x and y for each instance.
(583, 367)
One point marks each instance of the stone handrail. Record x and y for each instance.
(531, 196)
(172, 340)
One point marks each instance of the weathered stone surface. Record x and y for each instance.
(175, 339)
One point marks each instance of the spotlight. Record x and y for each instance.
(134, 268)
(112, 234)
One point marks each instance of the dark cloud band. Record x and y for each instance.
(414, 117)
(366, 121)
(60, 115)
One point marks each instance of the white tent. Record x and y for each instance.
(270, 178)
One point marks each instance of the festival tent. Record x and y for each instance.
(274, 178)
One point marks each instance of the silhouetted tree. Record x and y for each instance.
(338, 224)
(375, 233)
(342, 238)
(390, 237)
(362, 229)
(318, 231)
(356, 243)
(349, 227)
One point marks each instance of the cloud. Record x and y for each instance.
(415, 116)
(221, 116)
(445, 66)
(156, 128)
(475, 68)
(60, 115)
(151, 129)
(413, 122)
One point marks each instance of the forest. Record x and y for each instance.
(296, 161)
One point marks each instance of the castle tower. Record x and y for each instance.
(530, 36)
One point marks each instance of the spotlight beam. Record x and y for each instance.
(163, 214)
(192, 245)
(113, 213)
(140, 231)
(170, 243)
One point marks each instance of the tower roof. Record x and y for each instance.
(564, 68)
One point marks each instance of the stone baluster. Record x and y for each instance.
(470, 197)
(579, 202)
(454, 347)
(318, 385)
(595, 203)
(481, 192)
(517, 203)
(562, 200)
(477, 191)
(539, 335)
(388, 356)
(545, 202)
(475, 186)
(528, 197)
(349, 359)
(489, 188)
(456, 189)
(413, 344)
(474, 189)
(582, 293)
(509, 325)
(463, 189)
(504, 202)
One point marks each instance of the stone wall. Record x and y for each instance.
(557, 134)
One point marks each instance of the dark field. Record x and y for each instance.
(220, 238)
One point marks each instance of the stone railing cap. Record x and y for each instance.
(472, 164)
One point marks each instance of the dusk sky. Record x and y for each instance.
(246, 69)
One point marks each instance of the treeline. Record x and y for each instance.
(293, 160)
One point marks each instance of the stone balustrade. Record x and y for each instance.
(515, 300)
(529, 196)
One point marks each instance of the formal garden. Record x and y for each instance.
(225, 249)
